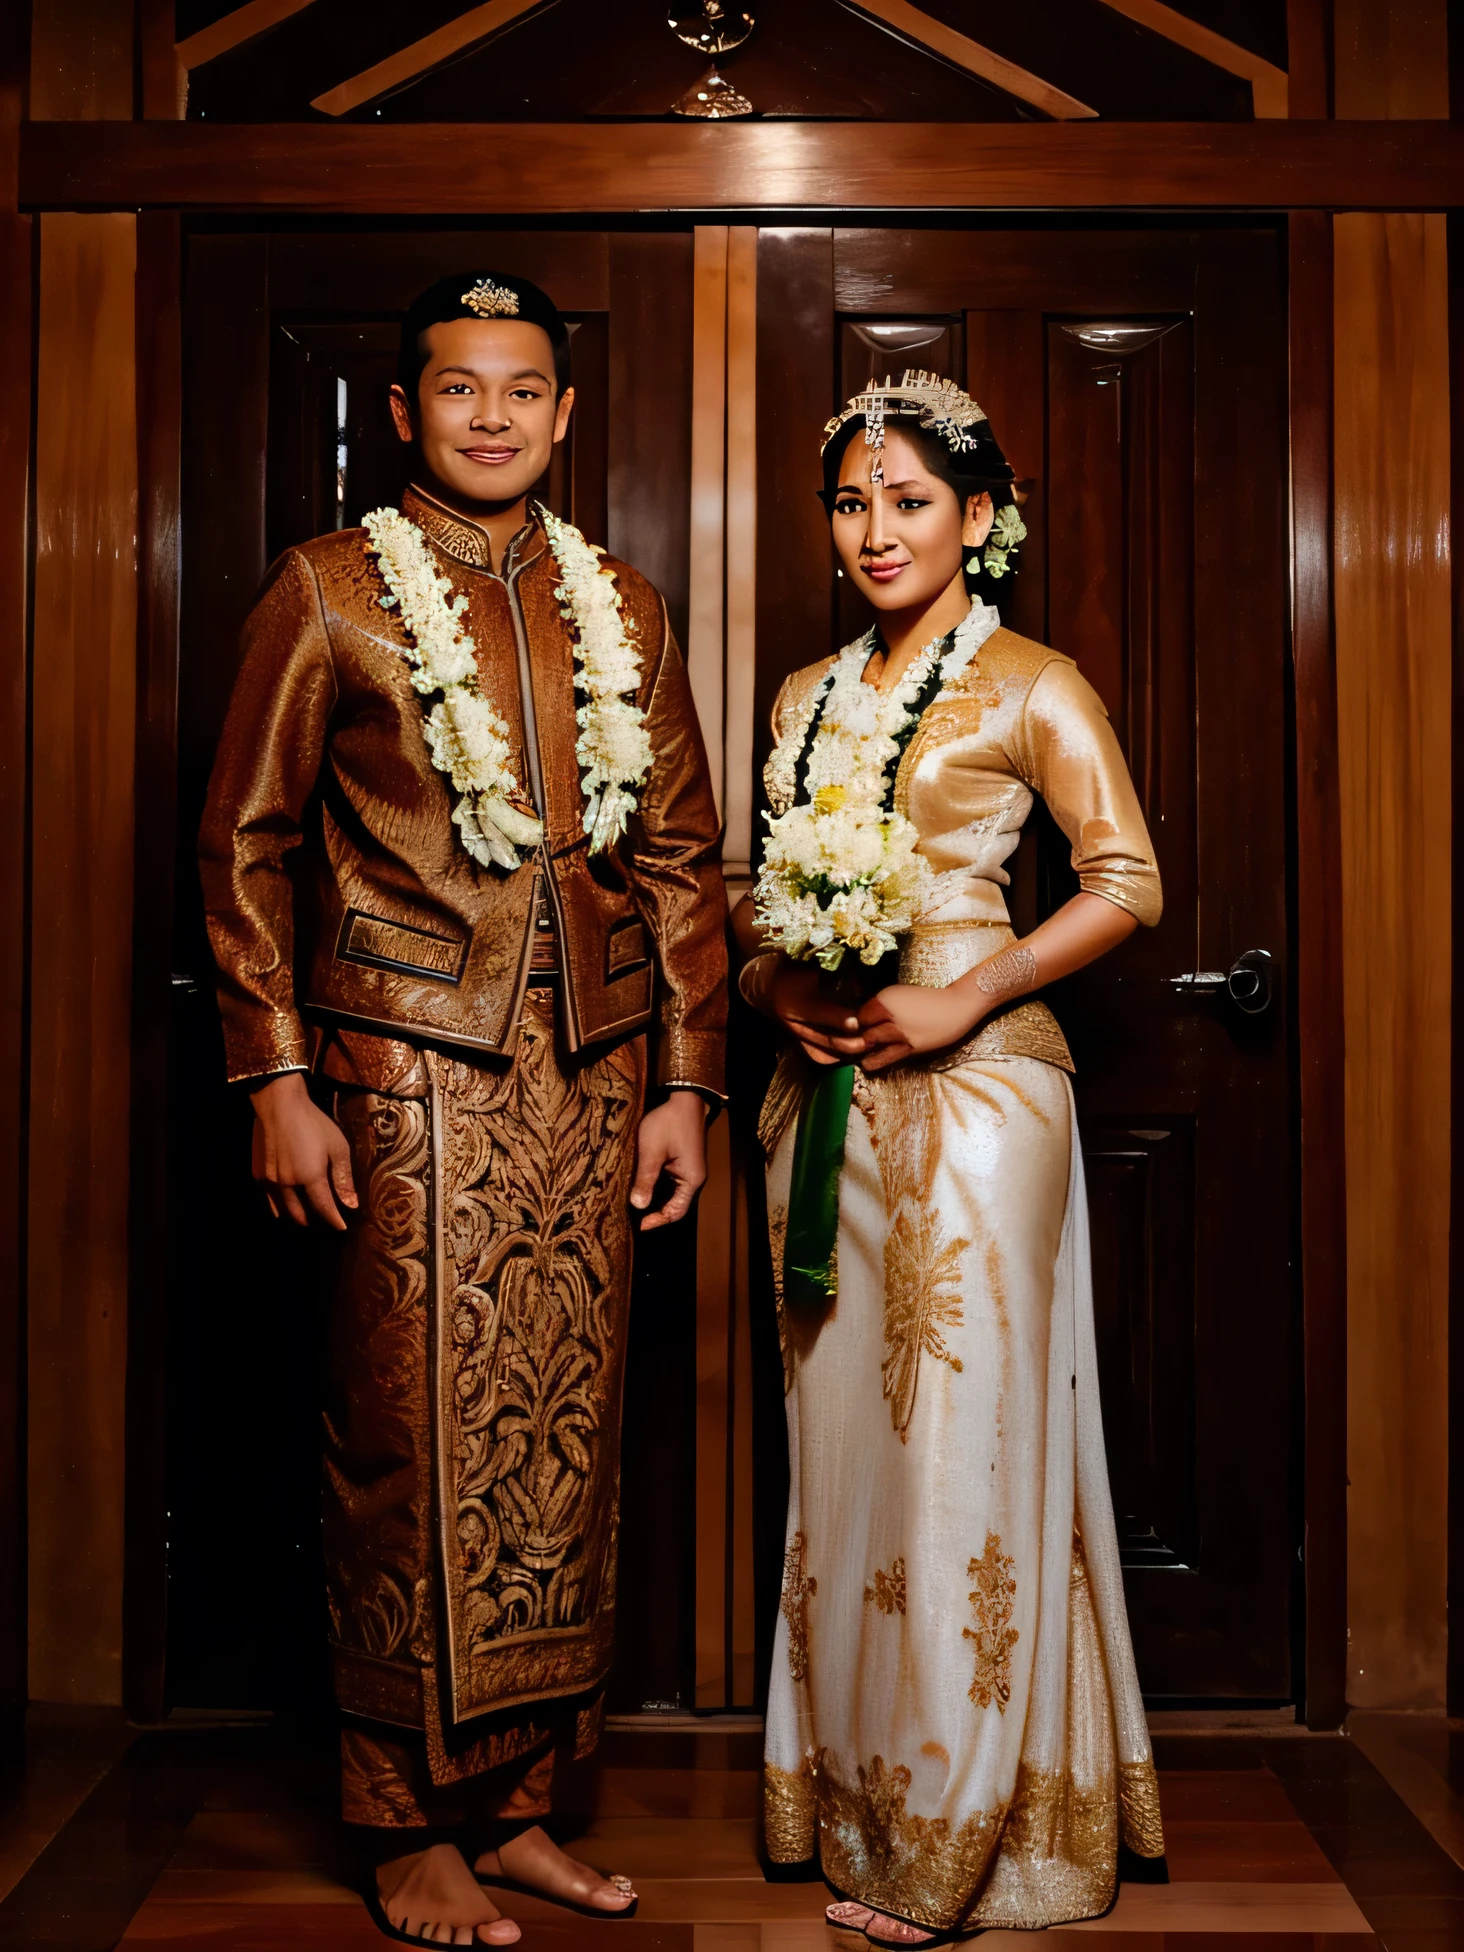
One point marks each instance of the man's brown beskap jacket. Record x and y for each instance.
(335, 881)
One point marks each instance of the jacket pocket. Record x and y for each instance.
(382, 944)
(627, 949)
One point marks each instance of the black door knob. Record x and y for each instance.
(1250, 981)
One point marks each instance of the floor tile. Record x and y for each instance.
(1274, 1852)
(1242, 1795)
(1217, 1906)
(648, 1847)
(316, 1928)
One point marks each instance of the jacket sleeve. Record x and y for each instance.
(268, 760)
(677, 865)
(1067, 751)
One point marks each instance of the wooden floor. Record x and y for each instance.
(226, 1840)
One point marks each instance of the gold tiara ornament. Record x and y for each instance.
(939, 404)
(491, 301)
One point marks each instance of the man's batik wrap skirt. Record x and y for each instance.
(473, 1428)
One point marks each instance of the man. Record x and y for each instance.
(445, 897)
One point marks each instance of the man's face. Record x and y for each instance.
(486, 415)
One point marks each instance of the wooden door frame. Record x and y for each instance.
(559, 173)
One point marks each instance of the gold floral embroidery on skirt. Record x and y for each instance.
(922, 1298)
(886, 1856)
(797, 1590)
(992, 1599)
(1058, 1858)
(789, 1815)
(922, 1262)
(887, 1593)
(1138, 1803)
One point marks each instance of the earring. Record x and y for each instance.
(975, 566)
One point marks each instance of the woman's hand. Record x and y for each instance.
(801, 998)
(301, 1156)
(905, 1020)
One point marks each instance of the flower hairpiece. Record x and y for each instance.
(491, 301)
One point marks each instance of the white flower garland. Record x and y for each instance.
(468, 739)
(841, 872)
(613, 748)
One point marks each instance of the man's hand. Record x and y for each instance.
(803, 1002)
(672, 1139)
(298, 1150)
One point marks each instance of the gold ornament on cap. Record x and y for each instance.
(491, 301)
(938, 404)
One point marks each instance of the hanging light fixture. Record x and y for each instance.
(712, 28)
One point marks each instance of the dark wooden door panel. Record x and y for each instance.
(1135, 380)
(1141, 1214)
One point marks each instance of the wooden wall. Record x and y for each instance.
(1393, 712)
(84, 659)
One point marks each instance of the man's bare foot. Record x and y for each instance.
(432, 1895)
(534, 1859)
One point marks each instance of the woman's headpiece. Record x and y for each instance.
(938, 404)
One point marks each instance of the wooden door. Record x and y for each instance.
(290, 343)
(1136, 380)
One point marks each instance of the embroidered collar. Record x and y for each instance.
(466, 540)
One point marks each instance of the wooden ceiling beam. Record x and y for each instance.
(530, 169)
(243, 24)
(1269, 84)
(934, 37)
(409, 64)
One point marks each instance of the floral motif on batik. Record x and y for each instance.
(992, 1598)
(887, 1593)
(798, 1589)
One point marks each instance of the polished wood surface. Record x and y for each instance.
(795, 392)
(16, 253)
(1309, 59)
(81, 60)
(1276, 1843)
(1393, 705)
(1268, 82)
(1319, 1015)
(1392, 61)
(162, 78)
(580, 60)
(704, 631)
(233, 28)
(534, 168)
(385, 77)
(962, 52)
(160, 432)
(739, 702)
(84, 702)
(650, 303)
(1454, 1697)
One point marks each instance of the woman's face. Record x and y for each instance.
(903, 551)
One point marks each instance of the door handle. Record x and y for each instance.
(1248, 982)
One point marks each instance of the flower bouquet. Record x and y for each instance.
(839, 878)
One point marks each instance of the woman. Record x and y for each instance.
(955, 1721)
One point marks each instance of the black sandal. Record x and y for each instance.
(383, 1924)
